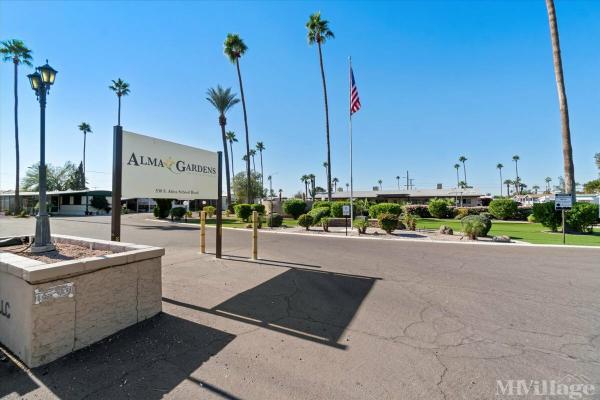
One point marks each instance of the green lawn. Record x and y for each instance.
(527, 232)
(236, 223)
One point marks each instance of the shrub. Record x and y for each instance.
(461, 212)
(361, 224)
(164, 207)
(305, 220)
(210, 210)
(475, 226)
(410, 221)
(531, 218)
(337, 208)
(438, 208)
(388, 222)
(582, 217)
(385, 208)
(274, 220)
(243, 211)
(545, 214)
(100, 203)
(321, 204)
(522, 213)
(325, 223)
(156, 212)
(318, 213)
(418, 210)
(259, 208)
(294, 207)
(446, 230)
(503, 208)
(177, 212)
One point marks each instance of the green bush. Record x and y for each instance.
(274, 220)
(409, 221)
(164, 207)
(361, 224)
(294, 207)
(503, 208)
(418, 210)
(259, 208)
(305, 220)
(177, 212)
(523, 213)
(438, 208)
(318, 213)
(545, 214)
(385, 208)
(337, 208)
(582, 217)
(388, 222)
(321, 204)
(243, 211)
(475, 226)
(325, 223)
(156, 212)
(210, 211)
(100, 203)
(531, 218)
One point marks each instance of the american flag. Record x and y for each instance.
(354, 100)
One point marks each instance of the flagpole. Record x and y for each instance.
(350, 116)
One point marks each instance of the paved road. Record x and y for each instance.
(336, 318)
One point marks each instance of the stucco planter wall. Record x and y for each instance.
(50, 310)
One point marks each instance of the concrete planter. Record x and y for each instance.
(50, 310)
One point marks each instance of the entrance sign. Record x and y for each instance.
(563, 202)
(156, 168)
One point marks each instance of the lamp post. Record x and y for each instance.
(40, 81)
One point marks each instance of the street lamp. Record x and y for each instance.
(40, 81)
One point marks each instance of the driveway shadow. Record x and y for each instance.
(145, 361)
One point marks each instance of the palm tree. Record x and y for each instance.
(380, 184)
(16, 52)
(222, 100)
(347, 187)
(463, 159)
(85, 128)
(230, 136)
(121, 88)
(548, 180)
(516, 159)
(500, 166)
(312, 178)
(457, 166)
(398, 180)
(562, 100)
(462, 184)
(260, 147)
(319, 32)
(535, 188)
(234, 49)
(305, 179)
(508, 182)
(252, 154)
(326, 165)
(335, 182)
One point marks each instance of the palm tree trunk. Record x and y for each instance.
(222, 122)
(500, 170)
(119, 113)
(17, 198)
(569, 169)
(457, 178)
(231, 149)
(248, 195)
(262, 182)
(306, 189)
(326, 123)
(465, 172)
(517, 177)
(253, 165)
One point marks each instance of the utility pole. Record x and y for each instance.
(407, 180)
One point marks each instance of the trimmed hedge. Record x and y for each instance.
(385, 208)
(388, 222)
(259, 208)
(294, 207)
(545, 214)
(503, 208)
(318, 213)
(582, 217)
(439, 208)
(419, 210)
(475, 226)
(337, 209)
(274, 220)
(243, 211)
(305, 220)
(321, 204)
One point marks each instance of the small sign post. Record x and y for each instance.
(346, 213)
(563, 202)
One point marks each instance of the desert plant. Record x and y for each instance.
(438, 208)
(318, 213)
(582, 217)
(325, 223)
(305, 220)
(210, 211)
(294, 207)
(361, 224)
(474, 226)
(419, 210)
(385, 208)
(274, 220)
(545, 214)
(410, 221)
(446, 230)
(503, 208)
(243, 211)
(388, 222)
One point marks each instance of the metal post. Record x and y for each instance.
(563, 226)
(351, 177)
(254, 235)
(115, 221)
(219, 233)
(202, 232)
(43, 240)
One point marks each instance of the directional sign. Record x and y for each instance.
(563, 202)
(346, 211)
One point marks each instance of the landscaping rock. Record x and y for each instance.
(501, 239)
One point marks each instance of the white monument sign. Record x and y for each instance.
(563, 202)
(157, 168)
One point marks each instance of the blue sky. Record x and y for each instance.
(437, 79)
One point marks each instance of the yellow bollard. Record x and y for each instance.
(254, 235)
(202, 232)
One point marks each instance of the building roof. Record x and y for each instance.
(59, 192)
(450, 192)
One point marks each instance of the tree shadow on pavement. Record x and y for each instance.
(145, 361)
(309, 304)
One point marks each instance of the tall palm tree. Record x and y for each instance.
(222, 100)
(562, 101)
(305, 179)
(230, 136)
(457, 166)
(380, 184)
(335, 182)
(398, 180)
(121, 88)
(347, 187)
(508, 182)
(319, 32)
(548, 180)
(16, 52)
(252, 154)
(516, 159)
(85, 128)
(260, 147)
(500, 166)
(535, 188)
(234, 48)
(463, 159)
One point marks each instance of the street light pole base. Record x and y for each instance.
(42, 249)
(43, 240)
